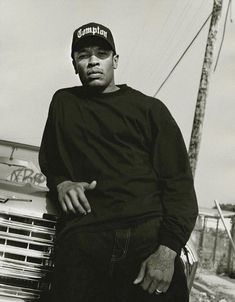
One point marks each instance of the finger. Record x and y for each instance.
(90, 186)
(83, 200)
(63, 205)
(75, 202)
(152, 287)
(164, 286)
(61, 202)
(60, 197)
(141, 274)
(146, 282)
(83, 185)
(69, 205)
(150, 277)
(166, 280)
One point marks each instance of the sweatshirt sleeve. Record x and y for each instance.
(170, 160)
(50, 162)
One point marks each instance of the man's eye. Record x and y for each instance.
(102, 53)
(82, 56)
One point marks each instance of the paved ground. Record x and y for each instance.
(209, 287)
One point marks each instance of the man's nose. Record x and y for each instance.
(93, 61)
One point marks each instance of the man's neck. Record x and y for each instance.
(111, 89)
(101, 90)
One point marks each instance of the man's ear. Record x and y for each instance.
(75, 67)
(115, 61)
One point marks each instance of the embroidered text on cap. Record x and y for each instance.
(91, 30)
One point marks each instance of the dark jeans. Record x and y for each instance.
(100, 266)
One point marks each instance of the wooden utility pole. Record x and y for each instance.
(203, 87)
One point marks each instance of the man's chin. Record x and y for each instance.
(95, 83)
(95, 86)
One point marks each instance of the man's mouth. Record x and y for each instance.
(94, 72)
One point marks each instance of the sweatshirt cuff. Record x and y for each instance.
(171, 241)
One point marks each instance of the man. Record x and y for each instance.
(117, 167)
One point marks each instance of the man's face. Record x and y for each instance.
(95, 64)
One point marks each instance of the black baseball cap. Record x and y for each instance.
(92, 30)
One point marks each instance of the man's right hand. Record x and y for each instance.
(72, 196)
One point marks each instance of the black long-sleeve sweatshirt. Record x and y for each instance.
(130, 144)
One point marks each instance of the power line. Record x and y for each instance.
(166, 54)
(222, 40)
(190, 44)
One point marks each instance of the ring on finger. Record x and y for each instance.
(158, 292)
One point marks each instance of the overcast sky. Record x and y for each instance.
(150, 36)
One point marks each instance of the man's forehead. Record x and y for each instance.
(93, 42)
(92, 48)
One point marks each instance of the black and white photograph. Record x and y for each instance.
(117, 143)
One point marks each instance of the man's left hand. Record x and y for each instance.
(157, 270)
